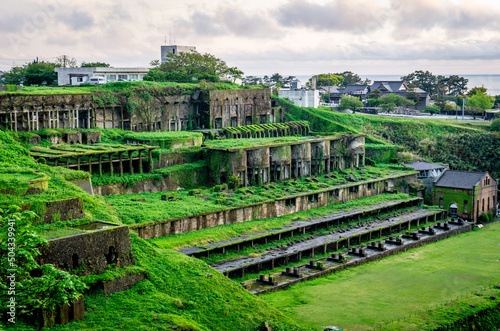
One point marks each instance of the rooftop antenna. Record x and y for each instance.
(170, 37)
(165, 40)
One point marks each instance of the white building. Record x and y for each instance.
(174, 49)
(77, 76)
(302, 98)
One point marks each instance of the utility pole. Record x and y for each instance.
(464, 100)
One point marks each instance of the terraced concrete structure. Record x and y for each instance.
(281, 159)
(328, 243)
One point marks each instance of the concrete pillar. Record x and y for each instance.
(120, 155)
(100, 164)
(150, 158)
(140, 161)
(111, 163)
(130, 163)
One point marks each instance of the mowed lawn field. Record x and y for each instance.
(394, 287)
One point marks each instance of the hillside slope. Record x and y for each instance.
(463, 146)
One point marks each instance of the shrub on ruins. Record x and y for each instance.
(35, 288)
(185, 67)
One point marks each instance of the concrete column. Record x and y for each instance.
(130, 163)
(120, 155)
(100, 164)
(140, 161)
(111, 163)
(150, 158)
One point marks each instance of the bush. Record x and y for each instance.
(448, 108)
(350, 102)
(495, 125)
(432, 109)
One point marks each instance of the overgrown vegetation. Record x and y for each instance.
(463, 146)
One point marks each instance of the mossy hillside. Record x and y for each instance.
(185, 203)
(464, 146)
(180, 293)
(13, 154)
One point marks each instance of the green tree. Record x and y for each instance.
(351, 78)
(350, 102)
(37, 286)
(396, 100)
(65, 61)
(252, 80)
(480, 100)
(192, 66)
(15, 76)
(95, 64)
(34, 73)
(375, 94)
(477, 90)
(432, 109)
(327, 80)
(422, 79)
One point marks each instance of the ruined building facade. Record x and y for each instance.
(167, 112)
(257, 165)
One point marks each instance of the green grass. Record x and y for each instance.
(396, 286)
(228, 231)
(163, 135)
(179, 291)
(154, 209)
(244, 143)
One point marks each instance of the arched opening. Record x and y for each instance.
(453, 210)
(111, 256)
(76, 262)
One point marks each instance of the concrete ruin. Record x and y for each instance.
(91, 251)
(276, 161)
(165, 111)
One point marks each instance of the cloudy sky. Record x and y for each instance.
(292, 37)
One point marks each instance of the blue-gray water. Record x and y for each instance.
(491, 82)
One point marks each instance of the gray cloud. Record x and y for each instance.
(231, 20)
(355, 16)
(412, 17)
(79, 20)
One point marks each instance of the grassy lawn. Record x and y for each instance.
(396, 286)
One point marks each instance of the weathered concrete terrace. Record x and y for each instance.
(300, 227)
(294, 252)
(370, 253)
(85, 157)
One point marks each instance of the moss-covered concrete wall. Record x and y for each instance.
(89, 253)
(275, 208)
(239, 107)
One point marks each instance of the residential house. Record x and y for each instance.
(360, 91)
(401, 88)
(77, 76)
(466, 194)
